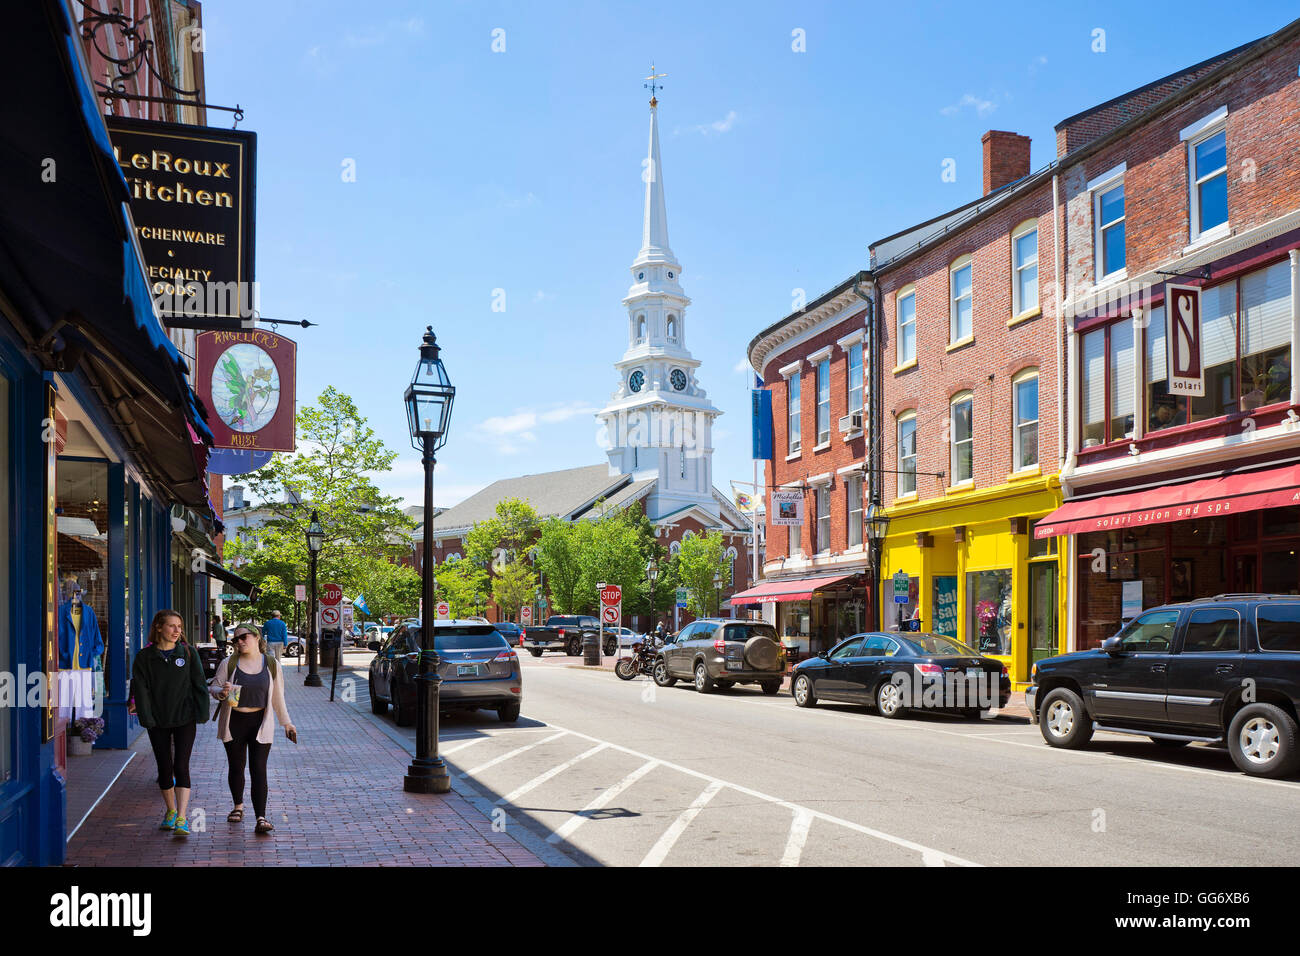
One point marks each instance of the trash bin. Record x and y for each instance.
(591, 650)
(330, 640)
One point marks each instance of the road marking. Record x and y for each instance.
(579, 818)
(758, 795)
(660, 850)
(513, 753)
(799, 827)
(448, 751)
(537, 781)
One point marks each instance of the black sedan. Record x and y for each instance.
(896, 673)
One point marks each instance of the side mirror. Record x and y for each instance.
(824, 654)
(373, 645)
(1112, 645)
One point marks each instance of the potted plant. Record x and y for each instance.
(82, 734)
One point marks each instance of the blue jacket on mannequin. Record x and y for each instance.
(92, 642)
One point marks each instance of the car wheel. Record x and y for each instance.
(536, 652)
(802, 690)
(889, 700)
(1262, 741)
(509, 713)
(1171, 744)
(662, 677)
(771, 687)
(377, 706)
(293, 650)
(611, 648)
(1063, 721)
(402, 716)
(703, 682)
(575, 647)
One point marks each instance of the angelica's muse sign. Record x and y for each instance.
(247, 381)
(192, 202)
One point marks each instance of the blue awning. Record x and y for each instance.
(67, 257)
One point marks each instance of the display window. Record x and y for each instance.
(82, 569)
(988, 609)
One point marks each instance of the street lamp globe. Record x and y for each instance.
(429, 398)
(877, 522)
(651, 570)
(315, 534)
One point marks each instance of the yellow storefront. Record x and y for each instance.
(976, 573)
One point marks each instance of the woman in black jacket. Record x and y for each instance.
(170, 696)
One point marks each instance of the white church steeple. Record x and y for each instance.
(659, 422)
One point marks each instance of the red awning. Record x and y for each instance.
(1206, 498)
(797, 590)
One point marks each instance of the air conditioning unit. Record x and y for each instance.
(852, 422)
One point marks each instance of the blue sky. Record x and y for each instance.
(478, 171)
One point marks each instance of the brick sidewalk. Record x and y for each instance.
(336, 800)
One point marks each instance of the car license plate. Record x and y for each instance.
(467, 670)
(735, 665)
(975, 672)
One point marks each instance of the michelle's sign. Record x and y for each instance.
(787, 509)
(192, 201)
(1183, 339)
(246, 378)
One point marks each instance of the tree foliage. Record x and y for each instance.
(701, 558)
(463, 585)
(503, 537)
(512, 587)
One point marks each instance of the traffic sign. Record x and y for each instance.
(611, 595)
(442, 611)
(300, 592)
(526, 614)
(902, 588)
(610, 614)
(330, 616)
(681, 597)
(331, 595)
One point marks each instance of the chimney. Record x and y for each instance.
(1006, 158)
(236, 497)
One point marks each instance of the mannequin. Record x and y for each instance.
(81, 646)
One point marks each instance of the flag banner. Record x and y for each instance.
(761, 412)
(360, 604)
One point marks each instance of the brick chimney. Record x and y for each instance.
(1006, 158)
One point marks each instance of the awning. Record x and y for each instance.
(241, 585)
(799, 589)
(1204, 498)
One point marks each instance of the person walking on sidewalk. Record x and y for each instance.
(170, 697)
(276, 634)
(251, 685)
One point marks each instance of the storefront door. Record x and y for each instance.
(1043, 640)
(1245, 571)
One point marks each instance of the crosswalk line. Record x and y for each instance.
(581, 817)
(555, 771)
(799, 828)
(513, 753)
(659, 852)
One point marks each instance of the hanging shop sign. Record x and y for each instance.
(1183, 337)
(247, 380)
(193, 205)
(787, 508)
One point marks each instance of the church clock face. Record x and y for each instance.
(636, 380)
(678, 379)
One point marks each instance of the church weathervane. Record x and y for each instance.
(653, 85)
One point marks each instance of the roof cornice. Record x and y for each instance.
(830, 309)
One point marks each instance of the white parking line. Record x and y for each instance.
(448, 751)
(659, 851)
(799, 828)
(555, 771)
(579, 818)
(513, 753)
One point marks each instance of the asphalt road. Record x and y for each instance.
(602, 771)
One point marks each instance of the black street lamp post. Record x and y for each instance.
(717, 593)
(651, 573)
(877, 528)
(315, 539)
(428, 411)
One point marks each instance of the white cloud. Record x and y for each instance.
(505, 201)
(509, 434)
(502, 425)
(724, 125)
(741, 366)
(982, 107)
(565, 412)
(540, 296)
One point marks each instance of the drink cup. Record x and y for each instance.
(234, 695)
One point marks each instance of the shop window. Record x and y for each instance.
(907, 453)
(988, 609)
(1218, 353)
(1093, 388)
(1120, 394)
(963, 438)
(82, 614)
(1106, 378)
(1266, 336)
(1278, 521)
(1280, 570)
(1278, 626)
(1025, 412)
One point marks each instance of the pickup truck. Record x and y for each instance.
(564, 632)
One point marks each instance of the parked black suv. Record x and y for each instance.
(1220, 670)
(720, 652)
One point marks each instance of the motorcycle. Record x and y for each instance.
(642, 661)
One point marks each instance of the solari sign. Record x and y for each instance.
(192, 203)
(247, 381)
(1183, 337)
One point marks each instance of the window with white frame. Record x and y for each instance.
(823, 401)
(793, 401)
(962, 430)
(853, 500)
(907, 453)
(796, 540)
(961, 314)
(1207, 177)
(823, 496)
(1024, 267)
(907, 326)
(1024, 388)
(855, 378)
(1108, 216)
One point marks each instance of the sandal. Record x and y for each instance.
(263, 826)
(235, 816)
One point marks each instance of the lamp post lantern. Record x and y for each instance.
(877, 528)
(428, 399)
(315, 540)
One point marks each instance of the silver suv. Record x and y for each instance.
(721, 652)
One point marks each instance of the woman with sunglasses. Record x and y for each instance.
(251, 686)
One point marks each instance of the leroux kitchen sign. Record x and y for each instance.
(192, 204)
(1183, 338)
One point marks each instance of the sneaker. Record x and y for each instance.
(169, 821)
(182, 827)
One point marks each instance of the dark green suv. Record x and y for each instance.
(717, 653)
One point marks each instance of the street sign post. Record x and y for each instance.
(300, 592)
(611, 610)
(331, 595)
(681, 597)
(526, 615)
(442, 611)
(902, 587)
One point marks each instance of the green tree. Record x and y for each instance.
(462, 585)
(701, 558)
(389, 588)
(558, 550)
(511, 530)
(512, 587)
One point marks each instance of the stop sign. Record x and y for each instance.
(331, 595)
(611, 596)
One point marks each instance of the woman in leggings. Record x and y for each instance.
(170, 697)
(251, 686)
